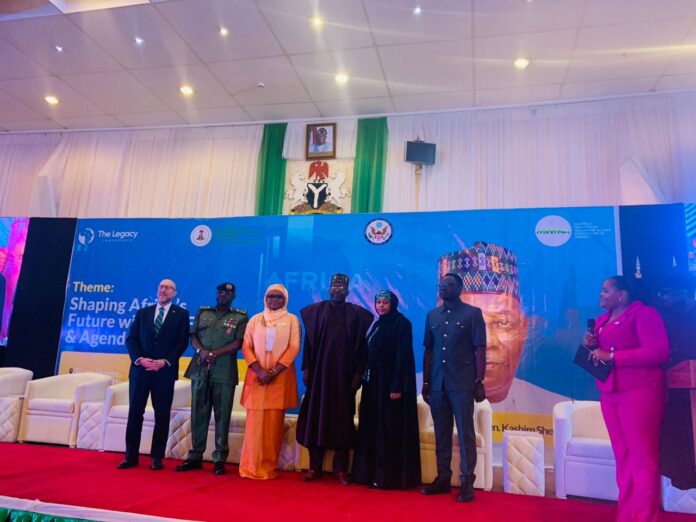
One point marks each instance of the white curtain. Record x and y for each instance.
(177, 172)
(636, 150)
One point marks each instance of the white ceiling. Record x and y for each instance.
(455, 54)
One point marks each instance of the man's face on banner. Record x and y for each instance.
(506, 333)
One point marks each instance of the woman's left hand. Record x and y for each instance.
(394, 396)
(598, 356)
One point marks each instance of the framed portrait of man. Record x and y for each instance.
(321, 141)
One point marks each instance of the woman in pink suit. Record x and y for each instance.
(632, 338)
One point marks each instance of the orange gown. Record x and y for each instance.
(266, 404)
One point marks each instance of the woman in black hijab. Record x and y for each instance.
(388, 452)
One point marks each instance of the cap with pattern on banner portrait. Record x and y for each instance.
(341, 279)
(491, 282)
(227, 287)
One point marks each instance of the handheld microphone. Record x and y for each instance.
(590, 326)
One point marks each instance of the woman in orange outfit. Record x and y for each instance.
(271, 343)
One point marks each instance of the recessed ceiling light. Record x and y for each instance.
(186, 90)
(521, 63)
(59, 48)
(317, 22)
(138, 40)
(51, 100)
(224, 31)
(342, 78)
(417, 10)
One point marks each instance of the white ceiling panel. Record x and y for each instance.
(344, 27)
(612, 12)
(116, 92)
(146, 119)
(116, 30)
(283, 111)
(677, 82)
(607, 87)
(89, 122)
(281, 83)
(530, 94)
(32, 125)
(549, 54)
(199, 23)
(165, 83)
(428, 67)
(363, 106)
(497, 17)
(433, 101)
(318, 73)
(393, 21)
(224, 115)
(11, 109)
(37, 38)
(15, 65)
(32, 92)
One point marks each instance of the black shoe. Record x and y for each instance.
(466, 491)
(342, 477)
(436, 487)
(125, 464)
(188, 465)
(219, 468)
(312, 475)
(156, 464)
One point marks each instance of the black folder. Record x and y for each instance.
(600, 371)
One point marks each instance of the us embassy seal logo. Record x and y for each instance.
(553, 231)
(378, 231)
(201, 235)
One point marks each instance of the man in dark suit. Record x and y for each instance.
(454, 365)
(157, 338)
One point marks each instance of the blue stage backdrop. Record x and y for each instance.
(563, 255)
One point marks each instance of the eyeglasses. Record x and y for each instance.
(275, 296)
(166, 287)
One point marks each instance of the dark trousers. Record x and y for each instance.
(444, 407)
(161, 385)
(210, 397)
(340, 460)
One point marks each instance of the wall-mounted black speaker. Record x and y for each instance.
(420, 152)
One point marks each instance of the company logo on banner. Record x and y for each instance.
(85, 238)
(553, 231)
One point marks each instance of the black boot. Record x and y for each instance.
(437, 486)
(466, 491)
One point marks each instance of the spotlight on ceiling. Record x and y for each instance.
(138, 40)
(317, 22)
(186, 90)
(417, 10)
(521, 63)
(342, 78)
(224, 31)
(51, 100)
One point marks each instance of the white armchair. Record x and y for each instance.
(483, 424)
(116, 407)
(584, 461)
(13, 382)
(51, 408)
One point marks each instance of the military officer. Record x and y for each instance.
(217, 335)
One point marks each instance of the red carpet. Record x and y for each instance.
(89, 478)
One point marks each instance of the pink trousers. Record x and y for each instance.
(633, 419)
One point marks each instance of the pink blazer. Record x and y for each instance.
(640, 344)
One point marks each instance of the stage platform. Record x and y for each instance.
(89, 479)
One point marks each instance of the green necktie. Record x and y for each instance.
(159, 320)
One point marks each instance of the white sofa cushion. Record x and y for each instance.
(52, 405)
(592, 448)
